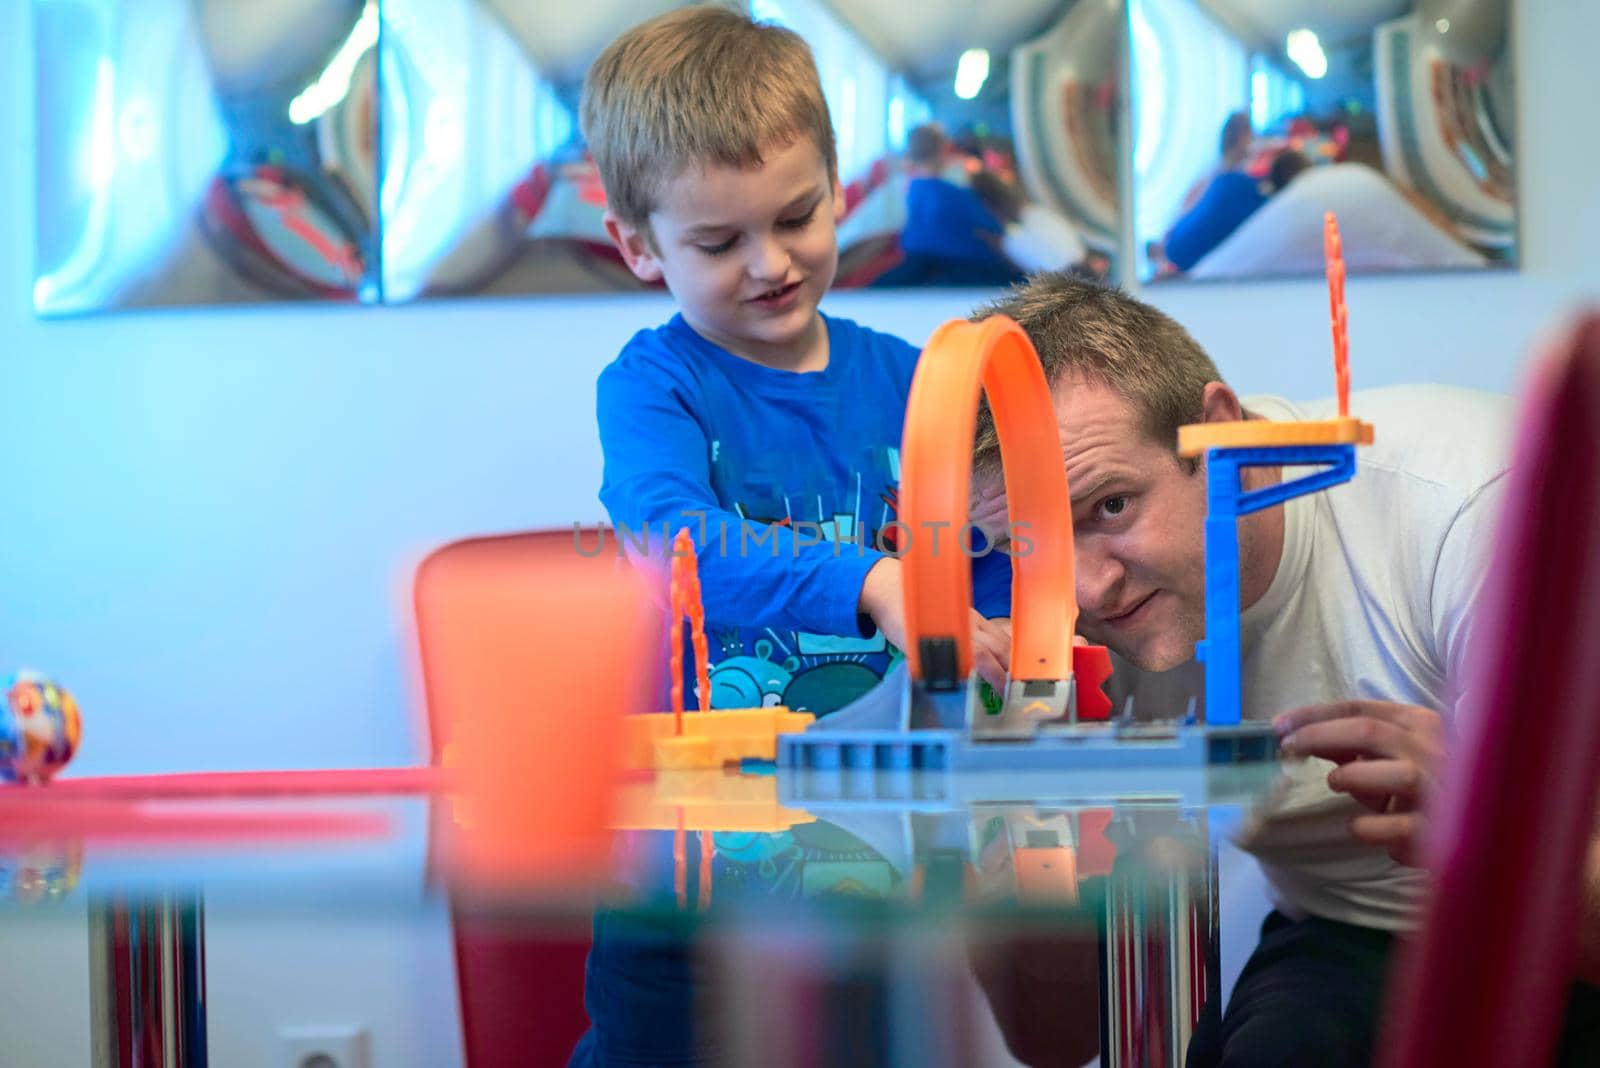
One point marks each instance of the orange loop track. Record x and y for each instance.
(961, 359)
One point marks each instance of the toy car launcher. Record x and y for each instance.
(1052, 715)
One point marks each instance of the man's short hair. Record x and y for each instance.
(1082, 327)
(698, 86)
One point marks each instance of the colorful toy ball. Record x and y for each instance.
(39, 728)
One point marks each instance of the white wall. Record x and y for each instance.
(386, 970)
(44, 986)
(208, 515)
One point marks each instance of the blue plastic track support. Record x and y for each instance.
(1226, 501)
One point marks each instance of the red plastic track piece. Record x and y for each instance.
(33, 816)
(1091, 667)
(1096, 854)
(222, 785)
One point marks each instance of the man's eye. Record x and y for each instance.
(1112, 507)
(719, 249)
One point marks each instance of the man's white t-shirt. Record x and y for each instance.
(1372, 599)
(1380, 229)
(1042, 240)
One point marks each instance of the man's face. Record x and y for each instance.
(748, 253)
(1138, 520)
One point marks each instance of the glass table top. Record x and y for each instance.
(738, 915)
(730, 839)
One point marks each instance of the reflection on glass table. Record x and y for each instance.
(1254, 119)
(931, 927)
(206, 152)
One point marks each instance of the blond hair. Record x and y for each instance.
(697, 86)
(1093, 330)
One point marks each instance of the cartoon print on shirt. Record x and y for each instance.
(801, 670)
(751, 681)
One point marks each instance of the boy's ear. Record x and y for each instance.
(838, 202)
(634, 244)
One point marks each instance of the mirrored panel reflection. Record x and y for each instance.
(204, 151)
(487, 187)
(1254, 117)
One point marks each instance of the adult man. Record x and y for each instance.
(1356, 606)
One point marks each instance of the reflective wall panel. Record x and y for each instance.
(214, 151)
(1253, 117)
(488, 188)
(217, 151)
(204, 151)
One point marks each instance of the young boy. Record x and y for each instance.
(767, 429)
(749, 413)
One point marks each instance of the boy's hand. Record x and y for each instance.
(1388, 756)
(883, 599)
(991, 650)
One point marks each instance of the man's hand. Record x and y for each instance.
(883, 599)
(1388, 756)
(988, 509)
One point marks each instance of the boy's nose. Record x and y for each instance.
(769, 261)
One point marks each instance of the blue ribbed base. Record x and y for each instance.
(1194, 763)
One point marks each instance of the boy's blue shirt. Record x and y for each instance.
(688, 427)
(944, 220)
(690, 430)
(991, 585)
(1230, 199)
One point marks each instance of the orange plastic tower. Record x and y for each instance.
(1333, 256)
(686, 604)
(1196, 438)
(705, 739)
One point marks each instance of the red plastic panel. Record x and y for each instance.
(1486, 981)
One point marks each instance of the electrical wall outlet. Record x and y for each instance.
(323, 1047)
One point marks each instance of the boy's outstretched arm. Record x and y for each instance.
(883, 600)
(658, 475)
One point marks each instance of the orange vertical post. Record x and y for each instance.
(1333, 256)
